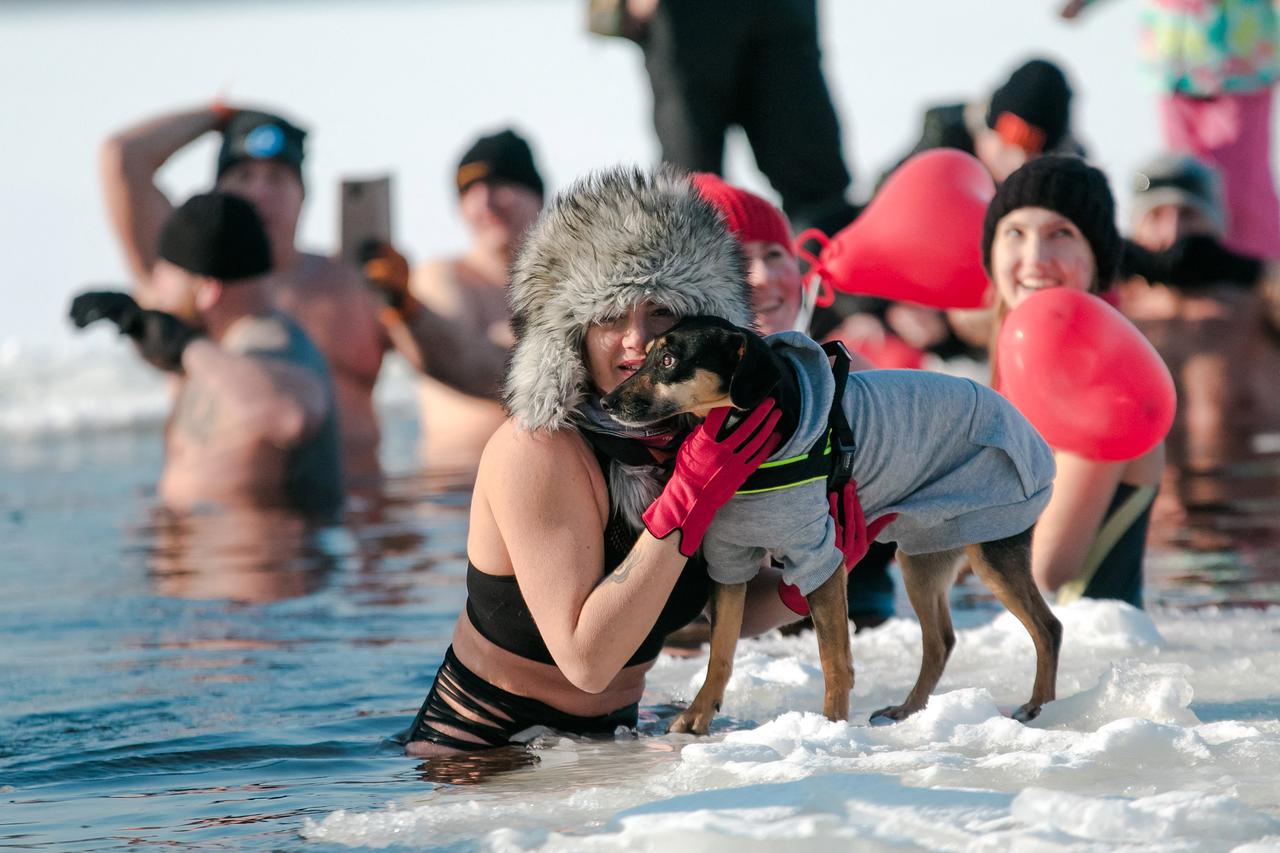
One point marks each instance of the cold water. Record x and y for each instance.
(235, 682)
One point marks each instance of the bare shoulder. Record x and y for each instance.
(533, 465)
(517, 450)
(331, 273)
(329, 286)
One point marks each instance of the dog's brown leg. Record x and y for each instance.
(928, 578)
(1005, 567)
(829, 605)
(727, 602)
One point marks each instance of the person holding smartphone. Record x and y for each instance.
(260, 159)
(500, 193)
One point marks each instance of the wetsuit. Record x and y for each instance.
(313, 467)
(500, 614)
(1113, 566)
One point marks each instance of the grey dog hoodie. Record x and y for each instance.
(956, 461)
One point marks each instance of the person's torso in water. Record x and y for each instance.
(508, 670)
(339, 314)
(455, 425)
(215, 454)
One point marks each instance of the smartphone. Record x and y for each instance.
(366, 214)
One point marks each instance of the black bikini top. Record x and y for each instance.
(498, 610)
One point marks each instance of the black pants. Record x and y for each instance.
(756, 64)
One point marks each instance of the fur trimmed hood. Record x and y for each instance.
(615, 237)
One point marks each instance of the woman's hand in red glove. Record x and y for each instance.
(708, 471)
(853, 537)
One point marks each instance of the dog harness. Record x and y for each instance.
(830, 457)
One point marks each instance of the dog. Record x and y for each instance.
(965, 473)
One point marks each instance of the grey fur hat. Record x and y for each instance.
(615, 237)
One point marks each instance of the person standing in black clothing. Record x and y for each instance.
(755, 64)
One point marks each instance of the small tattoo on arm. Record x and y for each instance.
(620, 574)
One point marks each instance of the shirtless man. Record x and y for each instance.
(499, 196)
(254, 422)
(261, 160)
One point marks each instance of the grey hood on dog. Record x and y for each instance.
(612, 239)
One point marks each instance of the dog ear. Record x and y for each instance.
(756, 374)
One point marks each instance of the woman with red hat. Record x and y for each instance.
(773, 272)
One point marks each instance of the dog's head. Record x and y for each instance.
(699, 364)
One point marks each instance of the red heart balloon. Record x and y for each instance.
(1084, 376)
(920, 239)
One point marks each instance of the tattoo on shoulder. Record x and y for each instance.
(196, 413)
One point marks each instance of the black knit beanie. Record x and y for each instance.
(1071, 187)
(1038, 94)
(253, 135)
(218, 235)
(503, 156)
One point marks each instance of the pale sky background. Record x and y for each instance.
(403, 86)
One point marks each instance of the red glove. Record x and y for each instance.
(708, 471)
(853, 538)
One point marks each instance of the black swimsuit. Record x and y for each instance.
(499, 613)
(1113, 566)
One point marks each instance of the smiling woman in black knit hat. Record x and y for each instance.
(1052, 224)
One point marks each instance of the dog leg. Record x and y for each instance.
(928, 579)
(727, 602)
(1005, 567)
(829, 605)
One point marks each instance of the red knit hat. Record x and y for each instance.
(748, 216)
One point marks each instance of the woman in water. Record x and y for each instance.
(1052, 224)
(582, 529)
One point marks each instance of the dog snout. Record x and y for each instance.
(607, 402)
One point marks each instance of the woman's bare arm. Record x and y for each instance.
(764, 609)
(545, 499)
(1082, 491)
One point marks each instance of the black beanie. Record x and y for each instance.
(253, 135)
(1038, 94)
(1068, 186)
(503, 156)
(218, 235)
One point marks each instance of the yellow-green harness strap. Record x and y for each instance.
(831, 456)
(1112, 529)
(793, 471)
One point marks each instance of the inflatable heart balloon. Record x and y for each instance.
(920, 239)
(1084, 376)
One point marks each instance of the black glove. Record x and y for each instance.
(96, 305)
(160, 337)
(1155, 267)
(1200, 260)
(1194, 261)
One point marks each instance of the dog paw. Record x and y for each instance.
(692, 722)
(1027, 713)
(889, 716)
